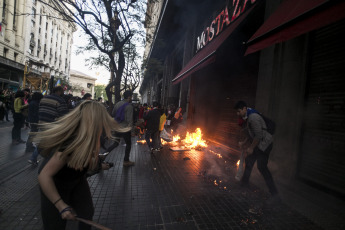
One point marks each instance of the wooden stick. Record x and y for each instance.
(94, 224)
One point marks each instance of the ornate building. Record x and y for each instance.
(34, 43)
(81, 84)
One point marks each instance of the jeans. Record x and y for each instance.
(6, 115)
(34, 155)
(262, 159)
(17, 125)
(29, 146)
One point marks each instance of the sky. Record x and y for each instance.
(78, 61)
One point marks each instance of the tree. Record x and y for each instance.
(99, 91)
(112, 26)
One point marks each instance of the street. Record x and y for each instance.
(168, 190)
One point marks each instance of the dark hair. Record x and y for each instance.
(19, 93)
(99, 98)
(127, 94)
(86, 95)
(36, 96)
(145, 104)
(57, 89)
(27, 90)
(155, 104)
(240, 105)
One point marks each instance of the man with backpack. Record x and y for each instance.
(260, 145)
(123, 114)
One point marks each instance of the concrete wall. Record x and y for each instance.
(280, 95)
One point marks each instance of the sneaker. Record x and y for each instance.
(128, 163)
(32, 162)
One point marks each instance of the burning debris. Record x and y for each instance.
(191, 141)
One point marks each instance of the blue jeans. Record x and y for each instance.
(34, 155)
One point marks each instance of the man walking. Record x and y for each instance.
(123, 114)
(260, 146)
(51, 107)
(152, 118)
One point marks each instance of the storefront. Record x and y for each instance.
(11, 74)
(219, 75)
(306, 93)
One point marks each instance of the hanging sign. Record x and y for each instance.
(225, 18)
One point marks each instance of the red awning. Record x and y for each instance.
(207, 55)
(293, 18)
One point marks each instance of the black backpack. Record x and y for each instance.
(271, 125)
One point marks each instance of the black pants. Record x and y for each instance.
(154, 136)
(128, 140)
(76, 195)
(262, 160)
(17, 125)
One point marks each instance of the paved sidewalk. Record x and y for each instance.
(168, 190)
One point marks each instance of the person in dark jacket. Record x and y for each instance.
(152, 119)
(33, 118)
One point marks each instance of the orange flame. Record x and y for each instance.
(215, 182)
(176, 138)
(194, 140)
(163, 142)
(141, 141)
(238, 163)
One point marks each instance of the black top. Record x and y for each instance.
(152, 118)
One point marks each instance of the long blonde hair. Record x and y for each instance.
(77, 134)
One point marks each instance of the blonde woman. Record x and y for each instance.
(70, 146)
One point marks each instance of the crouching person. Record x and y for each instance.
(70, 146)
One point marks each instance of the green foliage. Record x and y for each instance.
(100, 92)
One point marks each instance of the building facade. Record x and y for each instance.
(81, 84)
(284, 58)
(154, 13)
(33, 42)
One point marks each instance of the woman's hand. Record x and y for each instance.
(68, 213)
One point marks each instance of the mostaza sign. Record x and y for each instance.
(232, 11)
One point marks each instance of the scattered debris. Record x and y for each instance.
(179, 219)
(179, 149)
(252, 211)
(188, 213)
